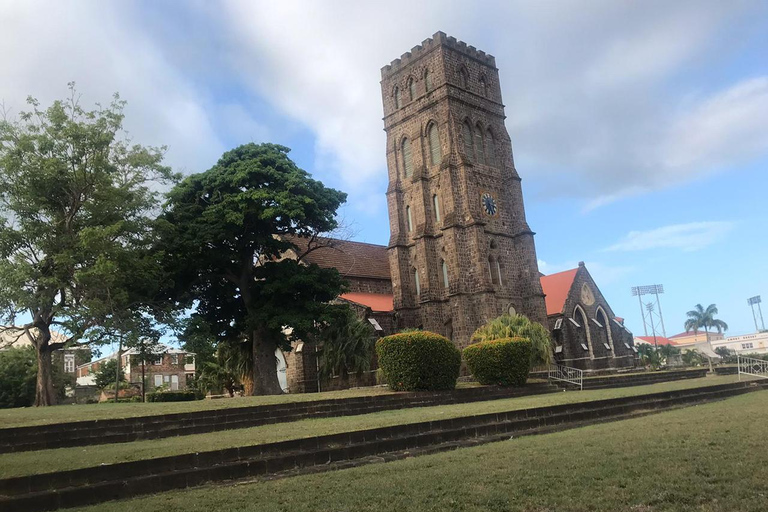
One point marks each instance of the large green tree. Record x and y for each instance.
(76, 205)
(224, 234)
(704, 318)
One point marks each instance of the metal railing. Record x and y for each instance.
(566, 374)
(752, 367)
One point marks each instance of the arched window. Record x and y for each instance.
(602, 319)
(498, 271)
(407, 157)
(428, 80)
(416, 281)
(433, 139)
(493, 270)
(490, 148)
(484, 86)
(408, 218)
(444, 266)
(580, 320)
(466, 132)
(436, 206)
(398, 101)
(464, 77)
(479, 146)
(411, 88)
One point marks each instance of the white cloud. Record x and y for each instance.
(603, 274)
(687, 237)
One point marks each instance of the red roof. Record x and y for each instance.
(382, 302)
(351, 259)
(660, 340)
(556, 287)
(684, 334)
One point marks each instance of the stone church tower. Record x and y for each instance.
(460, 252)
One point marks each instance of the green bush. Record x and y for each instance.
(18, 374)
(505, 361)
(518, 326)
(418, 360)
(173, 396)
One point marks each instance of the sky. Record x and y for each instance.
(640, 129)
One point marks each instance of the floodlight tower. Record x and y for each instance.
(652, 289)
(752, 301)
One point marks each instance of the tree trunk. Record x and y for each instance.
(264, 366)
(44, 394)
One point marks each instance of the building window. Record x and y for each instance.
(433, 139)
(405, 148)
(397, 98)
(427, 80)
(464, 75)
(466, 132)
(490, 148)
(484, 86)
(411, 88)
(479, 146)
(408, 218)
(494, 270)
(745, 346)
(174, 358)
(416, 281)
(436, 206)
(69, 363)
(158, 381)
(158, 360)
(445, 274)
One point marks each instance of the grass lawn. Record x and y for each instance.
(704, 458)
(28, 463)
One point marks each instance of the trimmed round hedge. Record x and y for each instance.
(505, 362)
(418, 361)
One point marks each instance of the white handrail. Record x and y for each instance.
(566, 374)
(752, 367)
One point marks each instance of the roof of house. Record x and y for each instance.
(380, 302)
(686, 334)
(556, 287)
(660, 340)
(11, 337)
(351, 259)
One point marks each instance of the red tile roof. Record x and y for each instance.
(556, 287)
(375, 301)
(684, 334)
(660, 340)
(352, 259)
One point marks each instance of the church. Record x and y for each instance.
(460, 251)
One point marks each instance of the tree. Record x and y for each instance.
(18, 374)
(224, 234)
(75, 206)
(510, 326)
(198, 338)
(105, 375)
(700, 318)
(348, 345)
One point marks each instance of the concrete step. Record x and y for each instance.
(94, 485)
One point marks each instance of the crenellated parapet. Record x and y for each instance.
(440, 38)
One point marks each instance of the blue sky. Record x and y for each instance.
(640, 129)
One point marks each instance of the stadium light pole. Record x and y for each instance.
(752, 301)
(652, 289)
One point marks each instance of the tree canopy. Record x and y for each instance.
(225, 232)
(701, 318)
(76, 205)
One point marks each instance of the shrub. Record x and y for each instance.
(518, 326)
(18, 374)
(419, 360)
(505, 362)
(173, 396)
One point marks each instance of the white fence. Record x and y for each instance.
(752, 367)
(566, 374)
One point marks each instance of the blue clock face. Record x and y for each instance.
(489, 204)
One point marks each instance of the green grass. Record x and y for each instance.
(708, 458)
(28, 416)
(43, 461)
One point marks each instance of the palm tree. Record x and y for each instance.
(348, 346)
(507, 326)
(699, 318)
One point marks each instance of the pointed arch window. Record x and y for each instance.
(411, 88)
(602, 319)
(466, 132)
(464, 77)
(493, 270)
(484, 86)
(433, 139)
(436, 206)
(405, 149)
(428, 80)
(408, 218)
(479, 146)
(498, 271)
(398, 99)
(416, 281)
(444, 267)
(490, 148)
